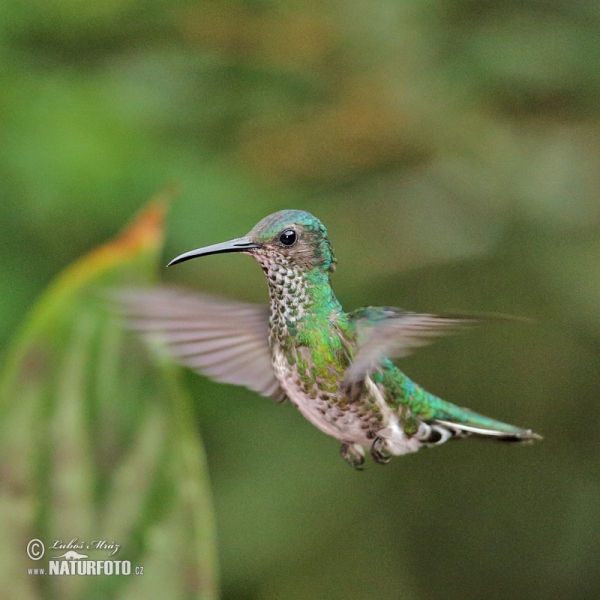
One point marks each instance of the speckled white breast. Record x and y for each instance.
(332, 420)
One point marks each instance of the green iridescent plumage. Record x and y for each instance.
(334, 366)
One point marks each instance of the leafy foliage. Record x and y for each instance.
(97, 441)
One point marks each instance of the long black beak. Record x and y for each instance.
(237, 245)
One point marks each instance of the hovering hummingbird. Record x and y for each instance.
(333, 365)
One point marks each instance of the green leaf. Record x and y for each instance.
(98, 442)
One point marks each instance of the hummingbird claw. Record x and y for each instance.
(353, 454)
(380, 452)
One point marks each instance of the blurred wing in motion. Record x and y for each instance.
(225, 340)
(384, 332)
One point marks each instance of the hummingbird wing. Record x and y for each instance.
(385, 332)
(227, 341)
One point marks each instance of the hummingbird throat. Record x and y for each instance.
(300, 298)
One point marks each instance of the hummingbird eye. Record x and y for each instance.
(288, 237)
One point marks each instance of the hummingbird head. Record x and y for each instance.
(293, 238)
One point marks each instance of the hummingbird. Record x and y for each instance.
(334, 366)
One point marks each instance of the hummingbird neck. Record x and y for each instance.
(318, 293)
(300, 299)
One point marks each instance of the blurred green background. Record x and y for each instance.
(452, 148)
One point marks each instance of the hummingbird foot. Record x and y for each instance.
(353, 454)
(380, 452)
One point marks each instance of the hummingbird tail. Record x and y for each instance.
(505, 433)
(462, 422)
